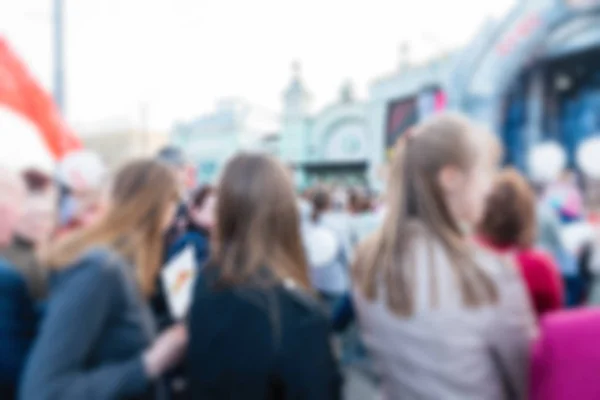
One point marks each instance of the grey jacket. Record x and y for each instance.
(91, 341)
(449, 351)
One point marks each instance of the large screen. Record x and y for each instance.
(401, 115)
(406, 112)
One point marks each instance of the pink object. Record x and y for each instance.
(566, 358)
(573, 204)
(440, 100)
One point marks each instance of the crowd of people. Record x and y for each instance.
(454, 284)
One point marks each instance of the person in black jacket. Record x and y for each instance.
(256, 332)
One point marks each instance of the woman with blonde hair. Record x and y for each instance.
(97, 338)
(442, 318)
(255, 330)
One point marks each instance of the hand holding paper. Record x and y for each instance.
(178, 278)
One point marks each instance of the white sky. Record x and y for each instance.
(180, 56)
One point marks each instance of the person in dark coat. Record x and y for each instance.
(256, 330)
(18, 321)
(18, 317)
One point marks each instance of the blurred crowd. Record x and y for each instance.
(461, 281)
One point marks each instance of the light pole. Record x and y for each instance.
(59, 65)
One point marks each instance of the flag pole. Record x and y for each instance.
(59, 69)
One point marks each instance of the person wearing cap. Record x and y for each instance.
(176, 158)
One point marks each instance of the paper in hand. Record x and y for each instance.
(178, 278)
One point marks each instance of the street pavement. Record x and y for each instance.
(358, 387)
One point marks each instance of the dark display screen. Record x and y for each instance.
(401, 115)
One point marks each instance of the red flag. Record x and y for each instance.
(23, 95)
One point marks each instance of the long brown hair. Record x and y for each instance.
(133, 224)
(416, 207)
(258, 227)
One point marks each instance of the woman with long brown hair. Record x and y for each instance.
(97, 338)
(255, 331)
(442, 318)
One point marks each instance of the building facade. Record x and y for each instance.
(116, 146)
(530, 77)
(212, 139)
(334, 145)
(330, 146)
(347, 142)
(534, 77)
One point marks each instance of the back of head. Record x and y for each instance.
(257, 227)
(172, 156)
(359, 201)
(417, 208)
(175, 158)
(321, 202)
(200, 195)
(510, 217)
(201, 208)
(143, 198)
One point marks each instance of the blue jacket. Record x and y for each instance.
(198, 240)
(18, 322)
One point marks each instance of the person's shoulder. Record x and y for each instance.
(302, 308)
(9, 276)
(193, 237)
(500, 266)
(6, 267)
(99, 265)
(536, 258)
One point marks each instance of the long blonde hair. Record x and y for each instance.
(258, 227)
(133, 225)
(416, 207)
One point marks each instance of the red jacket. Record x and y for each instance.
(541, 275)
(543, 280)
